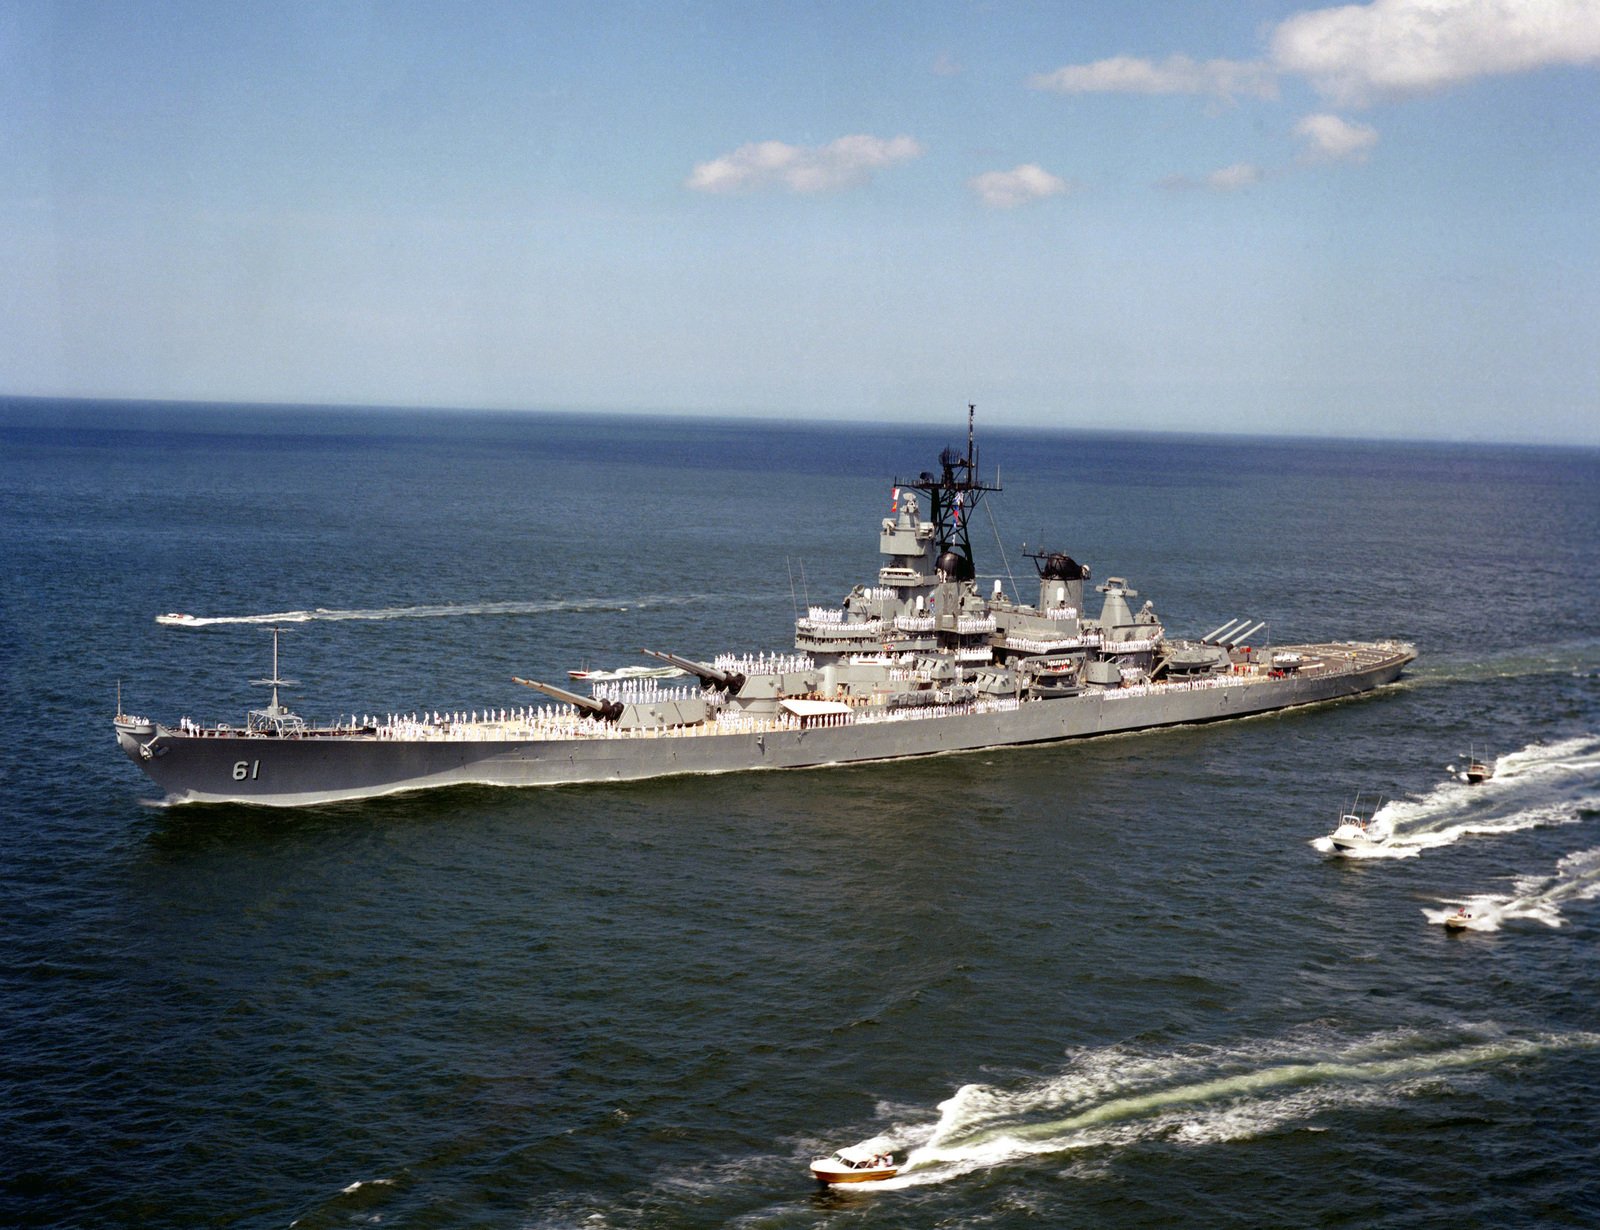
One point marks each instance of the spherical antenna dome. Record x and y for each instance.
(956, 566)
(1060, 566)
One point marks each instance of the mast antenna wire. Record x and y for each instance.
(1016, 594)
(794, 601)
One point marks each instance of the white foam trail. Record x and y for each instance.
(1114, 1097)
(1536, 898)
(441, 611)
(333, 1203)
(360, 1183)
(1541, 784)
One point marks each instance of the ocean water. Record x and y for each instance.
(1117, 983)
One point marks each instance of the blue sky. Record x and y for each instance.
(1213, 216)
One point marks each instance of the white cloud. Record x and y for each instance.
(1231, 179)
(1359, 53)
(845, 163)
(1228, 179)
(1018, 186)
(1331, 139)
(1174, 75)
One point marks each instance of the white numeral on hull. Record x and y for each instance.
(246, 769)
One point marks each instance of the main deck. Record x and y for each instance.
(545, 723)
(547, 745)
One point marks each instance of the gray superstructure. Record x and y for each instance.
(921, 661)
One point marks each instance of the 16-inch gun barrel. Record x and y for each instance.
(729, 681)
(610, 710)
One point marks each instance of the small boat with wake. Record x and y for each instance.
(1357, 834)
(1459, 921)
(626, 672)
(869, 1162)
(1477, 771)
(177, 619)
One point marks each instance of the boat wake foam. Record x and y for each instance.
(441, 611)
(1118, 1096)
(1537, 898)
(1541, 784)
(360, 1197)
(1578, 657)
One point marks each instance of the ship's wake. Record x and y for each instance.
(452, 610)
(1119, 1096)
(1537, 898)
(1541, 784)
(1578, 657)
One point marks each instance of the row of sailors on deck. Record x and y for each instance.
(764, 663)
(462, 718)
(644, 692)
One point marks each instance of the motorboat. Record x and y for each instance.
(176, 618)
(868, 1162)
(1459, 921)
(625, 672)
(1356, 834)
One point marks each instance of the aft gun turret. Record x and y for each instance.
(731, 682)
(608, 710)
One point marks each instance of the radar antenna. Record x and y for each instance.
(953, 496)
(275, 718)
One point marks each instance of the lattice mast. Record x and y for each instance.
(953, 497)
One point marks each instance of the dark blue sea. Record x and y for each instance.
(1115, 983)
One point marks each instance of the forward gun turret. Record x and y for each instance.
(608, 710)
(729, 681)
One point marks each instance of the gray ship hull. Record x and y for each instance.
(326, 766)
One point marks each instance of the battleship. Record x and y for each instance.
(921, 662)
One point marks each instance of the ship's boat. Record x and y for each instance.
(920, 662)
(869, 1162)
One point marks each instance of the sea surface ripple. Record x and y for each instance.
(1118, 983)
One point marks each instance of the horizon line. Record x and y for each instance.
(787, 418)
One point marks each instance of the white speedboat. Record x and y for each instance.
(1355, 833)
(626, 672)
(176, 619)
(868, 1162)
(1459, 921)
